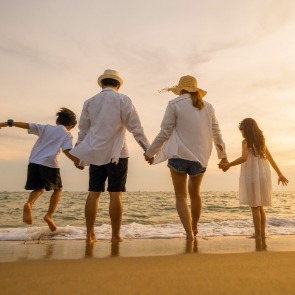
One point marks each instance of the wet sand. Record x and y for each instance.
(226, 265)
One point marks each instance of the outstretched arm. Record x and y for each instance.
(281, 177)
(21, 125)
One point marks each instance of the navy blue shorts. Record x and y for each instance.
(115, 173)
(43, 177)
(185, 166)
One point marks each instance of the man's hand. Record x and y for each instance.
(148, 159)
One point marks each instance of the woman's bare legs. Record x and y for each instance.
(27, 211)
(91, 208)
(115, 212)
(179, 182)
(52, 206)
(194, 186)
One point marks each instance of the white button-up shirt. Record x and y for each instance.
(51, 140)
(102, 127)
(187, 133)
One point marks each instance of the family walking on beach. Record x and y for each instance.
(188, 130)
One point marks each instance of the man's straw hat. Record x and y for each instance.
(187, 83)
(110, 74)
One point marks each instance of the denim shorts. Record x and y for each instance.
(185, 166)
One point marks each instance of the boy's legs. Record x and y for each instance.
(115, 212)
(179, 183)
(194, 185)
(91, 208)
(52, 206)
(27, 210)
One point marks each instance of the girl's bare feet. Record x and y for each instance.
(116, 239)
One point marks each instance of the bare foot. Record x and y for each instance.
(50, 222)
(116, 239)
(27, 213)
(91, 239)
(195, 231)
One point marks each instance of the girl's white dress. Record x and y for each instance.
(255, 187)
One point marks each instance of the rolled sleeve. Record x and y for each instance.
(217, 137)
(132, 122)
(167, 126)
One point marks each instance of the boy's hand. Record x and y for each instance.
(283, 180)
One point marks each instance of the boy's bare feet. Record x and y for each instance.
(27, 213)
(47, 218)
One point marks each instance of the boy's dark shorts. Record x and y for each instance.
(115, 173)
(185, 166)
(43, 177)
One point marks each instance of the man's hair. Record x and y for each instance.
(110, 82)
(66, 117)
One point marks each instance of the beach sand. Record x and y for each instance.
(225, 265)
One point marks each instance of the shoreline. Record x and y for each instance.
(12, 251)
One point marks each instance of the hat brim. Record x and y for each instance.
(117, 78)
(177, 90)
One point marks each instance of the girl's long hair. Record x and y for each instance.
(253, 136)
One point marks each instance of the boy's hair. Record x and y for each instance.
(66, 117)
(253, 136)
(110, 82)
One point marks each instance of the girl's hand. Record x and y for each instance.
(283, 180)
(3, 124)
(224, 166)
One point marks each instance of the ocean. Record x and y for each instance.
(147, 215)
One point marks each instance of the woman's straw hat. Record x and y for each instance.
(187, 83)
(110, 74)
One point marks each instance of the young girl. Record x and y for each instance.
(255, 187)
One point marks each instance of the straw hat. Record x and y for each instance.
(109, 74)
(187, 83)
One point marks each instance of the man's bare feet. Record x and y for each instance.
(27, 213)
(116, 239)
(47, 218)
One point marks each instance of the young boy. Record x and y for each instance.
(43, 170)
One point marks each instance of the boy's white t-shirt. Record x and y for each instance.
(52, 139)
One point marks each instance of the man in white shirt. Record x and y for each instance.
(101, 143)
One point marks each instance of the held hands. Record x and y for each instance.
(224, 165)
(3, 124)
(283, 180)
(149, 160)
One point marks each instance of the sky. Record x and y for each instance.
(241, 52)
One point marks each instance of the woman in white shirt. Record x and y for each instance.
(187, 131)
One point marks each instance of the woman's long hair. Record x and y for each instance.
(197, 100)
(253, 136)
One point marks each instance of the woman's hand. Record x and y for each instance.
(148, 159)
(283, 180)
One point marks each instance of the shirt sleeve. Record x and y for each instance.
(67, 143)
(36, 129)
(167, 126)
(217, 137)
(84, 123)
(132, 122)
